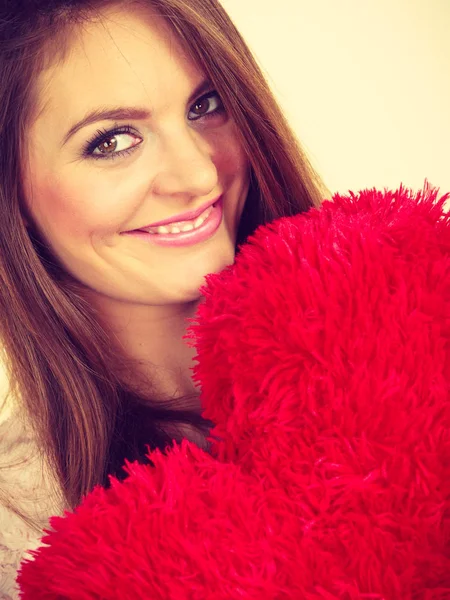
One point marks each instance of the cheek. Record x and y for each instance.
(75, 211)
(233, 168)
(230, 158)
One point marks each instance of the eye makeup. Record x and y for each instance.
(105, 135)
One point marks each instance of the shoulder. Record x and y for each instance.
(15, 436)
(16, 537)
(16, 540)
(26, 486)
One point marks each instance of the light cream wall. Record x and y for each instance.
(365, 84)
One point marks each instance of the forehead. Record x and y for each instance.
(129, 57)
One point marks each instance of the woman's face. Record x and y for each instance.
(90, 195)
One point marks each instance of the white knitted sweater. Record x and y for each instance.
(25, 482)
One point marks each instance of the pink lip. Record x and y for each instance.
(187, 216)
(184, 238)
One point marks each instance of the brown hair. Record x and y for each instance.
(60, 365)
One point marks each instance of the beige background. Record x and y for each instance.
(365, 84)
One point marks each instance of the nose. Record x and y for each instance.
(186, 165)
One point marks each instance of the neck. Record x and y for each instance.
(151, 337)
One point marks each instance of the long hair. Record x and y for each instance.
(59, 358)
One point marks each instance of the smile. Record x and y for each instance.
(184, 233)
(181, 226)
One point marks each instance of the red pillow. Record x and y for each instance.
(324, 361)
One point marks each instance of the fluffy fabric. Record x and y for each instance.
(324, 361)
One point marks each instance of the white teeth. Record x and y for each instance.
(199, 221)
(182, 225)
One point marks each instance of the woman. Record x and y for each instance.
(117, 117)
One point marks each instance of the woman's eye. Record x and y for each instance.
(113, 143)
(202, 106)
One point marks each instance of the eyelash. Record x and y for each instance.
(105, 134)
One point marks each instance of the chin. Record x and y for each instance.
(194, 276)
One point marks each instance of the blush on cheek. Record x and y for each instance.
(69, 212)
(231, 159)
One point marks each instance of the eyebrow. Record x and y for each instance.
(126, 112)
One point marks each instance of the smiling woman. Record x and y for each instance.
(140, 147)
(176, 157)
